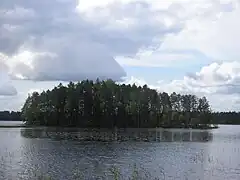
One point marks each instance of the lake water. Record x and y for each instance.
(215, 159)
(11, 123)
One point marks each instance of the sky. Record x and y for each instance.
(183, 46)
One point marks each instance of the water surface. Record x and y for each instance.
(215, 159)
(11, 123)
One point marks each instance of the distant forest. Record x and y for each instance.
(226, 118)
(10, 116)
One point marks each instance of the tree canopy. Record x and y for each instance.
(10, 116)
(226, 118)
(104, 104)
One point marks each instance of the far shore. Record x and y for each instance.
(13, 126)
(197, 127)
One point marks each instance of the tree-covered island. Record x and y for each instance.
(106, 104)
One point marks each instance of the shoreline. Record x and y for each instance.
(15, 126)
(204, 127)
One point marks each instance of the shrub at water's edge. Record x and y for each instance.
(106, 104)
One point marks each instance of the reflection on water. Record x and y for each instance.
(149, 135)
(25, 152)
(11, 123)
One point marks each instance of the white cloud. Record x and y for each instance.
(42, 41)
(219, 82)
(223, 77)
(24, 88)
(216, 78)
(218, 39)
(159, 58)
(185, 25)
(6, 88)
(216, 100)
(125, 29)
(62, 43)
(71, 65)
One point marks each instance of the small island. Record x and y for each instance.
(107, 104)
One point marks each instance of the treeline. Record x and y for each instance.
(10, 116)
(107, 104)
(226, 118)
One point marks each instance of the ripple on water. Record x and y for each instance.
(218, 159)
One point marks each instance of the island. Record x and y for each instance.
(107, 104)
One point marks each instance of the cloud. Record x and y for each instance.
(217, 37)
(216, 100)
(49, 41)
(168, 27)
(15, 103)
(167, 58)
(66, 43)
(6, 88)
(215, 78)
(130, 24)
(219, 82)
(70, 66)
(65, 38)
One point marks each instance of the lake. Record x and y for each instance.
(11, 123)
(217, 158)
